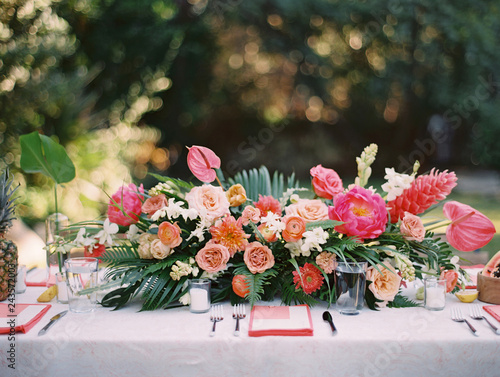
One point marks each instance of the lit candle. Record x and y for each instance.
(435, 297)
(199, 299)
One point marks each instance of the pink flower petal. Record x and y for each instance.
(201, 162)
(470, 229)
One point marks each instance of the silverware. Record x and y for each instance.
(53, 320)
(475, 313)
(456, 315)
(216, 315)
(328, 317)
(238, 313)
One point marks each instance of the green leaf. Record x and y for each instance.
(41, 154)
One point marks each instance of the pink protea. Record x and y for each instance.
(424, 192)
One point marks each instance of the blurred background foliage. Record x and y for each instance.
(125, 85)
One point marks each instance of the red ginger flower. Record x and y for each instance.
(310, 278)
(424, 192)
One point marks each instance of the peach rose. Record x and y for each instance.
(309, 209)
(153, 204)
(412, 227)
(250, 214)
(258, 257)
(144, 248)
(208, 200)
(451, 277)
(269, 235)
(327, 261)
(295, 228)
(384, 287)
(170, 234)
(213, 257)
(159, 250)
(326, 182)
(236, 195)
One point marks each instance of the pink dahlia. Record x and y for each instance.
(363, 213)
(310, 278)
(424, 192)
(124, 207)
(268, 204)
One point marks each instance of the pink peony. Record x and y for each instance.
(326, 182)
(124, 207)
(213, 257)
(153, 204)
(363, 213)
(469, 229)
(258, 257)
(201, 162)
(309, 209)
(412, 228)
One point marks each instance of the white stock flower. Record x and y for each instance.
(313, 239)
(174, 209)
(396, 183)
(294, 248)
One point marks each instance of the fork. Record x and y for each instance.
(238, 313)
(456, 315)
(216, 315)
(475, 313)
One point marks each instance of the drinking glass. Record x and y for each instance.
(81, 278)
(435, 293)
(350, 278)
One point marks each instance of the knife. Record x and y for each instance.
(328, 317)
(53, 320)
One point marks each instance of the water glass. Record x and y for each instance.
(350, 278)
(435, 293)
(81, 277)
(55, 230)
(199, 292)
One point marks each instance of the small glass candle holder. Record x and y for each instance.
(21, 279)
(199, 292)
(435, 293)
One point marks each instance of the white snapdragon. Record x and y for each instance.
(313, 240)
(396, 183)
(180, 269)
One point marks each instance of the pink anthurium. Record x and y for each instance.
(201, 162)
(469, 229)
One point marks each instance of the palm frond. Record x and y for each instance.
(256, 282)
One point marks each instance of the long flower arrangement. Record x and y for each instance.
(257, 237)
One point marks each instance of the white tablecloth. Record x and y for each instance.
(389, 342)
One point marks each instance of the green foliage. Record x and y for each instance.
(401, 301)
(256, 282)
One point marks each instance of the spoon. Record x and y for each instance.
(328, 317)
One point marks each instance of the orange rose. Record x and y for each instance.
(309, 209)
(153, 204)
(295, 228)
(236, 195)
(386, 286)
(213, 257)
(258, 257)
(170, 234)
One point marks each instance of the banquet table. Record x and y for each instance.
(175, 342)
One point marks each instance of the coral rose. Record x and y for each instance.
(153, 204)
(208, 200)
(159, 250)
(236, 195)
(250, 214)
(412, 227)
(309, 209)
(295, 228)
(268, 234)
(363, 213)
(258, 257)
(451, 277)
(124, 207)
(170, 234)
(384, 287)
(326, 182)
(213, 257)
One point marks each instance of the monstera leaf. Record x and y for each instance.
(41, 154)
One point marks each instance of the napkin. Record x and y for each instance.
(280, 320)
(493, 310)
(37, 278)
(21, 317)
(471, 283)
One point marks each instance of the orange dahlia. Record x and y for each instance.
(424, 192)
(229, 232)
(310, 278)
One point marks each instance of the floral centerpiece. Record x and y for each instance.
(257, 237)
